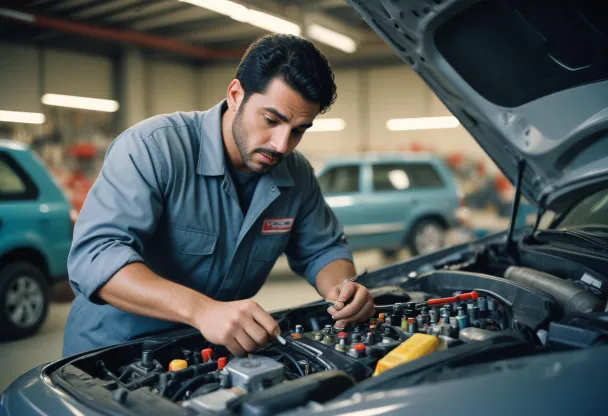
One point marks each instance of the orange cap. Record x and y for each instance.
(296, 335)
(221, 363)
(177, 365)
(381, 316)
(359, 347)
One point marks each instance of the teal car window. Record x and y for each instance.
(14, 182)
(340, 179)
(402, 176)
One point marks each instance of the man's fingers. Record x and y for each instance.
(266, 321)
(245, 341)
(234, 347)
(366, 312)
(258, 334)
(332, 310)
(347, 292)
(361, 296)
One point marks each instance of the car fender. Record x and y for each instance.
(421, 214)
(25, 241)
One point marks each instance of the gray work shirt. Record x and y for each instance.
(164, 197)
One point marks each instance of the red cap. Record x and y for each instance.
(221, 363)
(359, 347)
(411, 320)
(207, 354)
(342, 334)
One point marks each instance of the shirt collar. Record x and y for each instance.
(211, 158)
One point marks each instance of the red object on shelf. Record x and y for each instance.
(342, 334)
(221, 363)
(82, 150)
(359, 347)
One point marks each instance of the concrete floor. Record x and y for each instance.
(283, 289)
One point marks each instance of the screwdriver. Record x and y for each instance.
(350, 279)
(434, 302)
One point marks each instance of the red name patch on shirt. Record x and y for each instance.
(277, 225)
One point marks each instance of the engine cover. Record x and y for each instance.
(255, 372)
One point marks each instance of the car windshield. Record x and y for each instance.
(589, 215)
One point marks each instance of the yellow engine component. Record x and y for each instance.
(418, 345)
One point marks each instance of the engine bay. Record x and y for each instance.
(441, 319)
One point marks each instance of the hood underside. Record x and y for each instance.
(527, 78)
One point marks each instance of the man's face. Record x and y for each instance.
(269, 126)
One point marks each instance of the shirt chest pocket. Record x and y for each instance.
(193, 252)
(265, 251)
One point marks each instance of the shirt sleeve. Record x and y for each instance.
(120, 213)
(317, 237)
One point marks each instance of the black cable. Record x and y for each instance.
(290, 358)
(192, 383)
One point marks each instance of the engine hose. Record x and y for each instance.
(570, 296)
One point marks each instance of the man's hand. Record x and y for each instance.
(354, 303)
(241, 326)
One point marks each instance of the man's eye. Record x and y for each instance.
(270, 122)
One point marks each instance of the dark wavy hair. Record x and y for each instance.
(294, 60)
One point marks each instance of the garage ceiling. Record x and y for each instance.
(172, 29)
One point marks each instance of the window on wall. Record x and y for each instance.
(14, 183)
(404, 176)
(340, 179)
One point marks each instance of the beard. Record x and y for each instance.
(239, 132)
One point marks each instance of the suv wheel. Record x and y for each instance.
(24, 300)
(426, 237)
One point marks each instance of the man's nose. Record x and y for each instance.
(280, 140)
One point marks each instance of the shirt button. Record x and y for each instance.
(181, 246)
(273, 189)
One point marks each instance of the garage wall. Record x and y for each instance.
(367, 97)
(78, 74)
(19, 79)
(171, 87)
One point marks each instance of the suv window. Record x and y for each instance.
(402, 176)
(14, 182)
(340, 179)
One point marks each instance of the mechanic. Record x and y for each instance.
(191, 210)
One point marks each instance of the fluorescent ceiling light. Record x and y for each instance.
(243, 14)
(21, 117)
(331, 38)
(327, 124)
(84, 103)
(228, 8)
(422, 123)
(272, 23)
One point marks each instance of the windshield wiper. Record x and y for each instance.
(576, 236)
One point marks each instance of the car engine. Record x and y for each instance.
(437, 320)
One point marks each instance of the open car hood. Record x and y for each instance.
(527, 78)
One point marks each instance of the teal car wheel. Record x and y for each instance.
(24, 297)
(426, 237)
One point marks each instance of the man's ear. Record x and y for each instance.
(234, 94)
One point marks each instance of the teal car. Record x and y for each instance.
(390, 201)
(35, 238)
